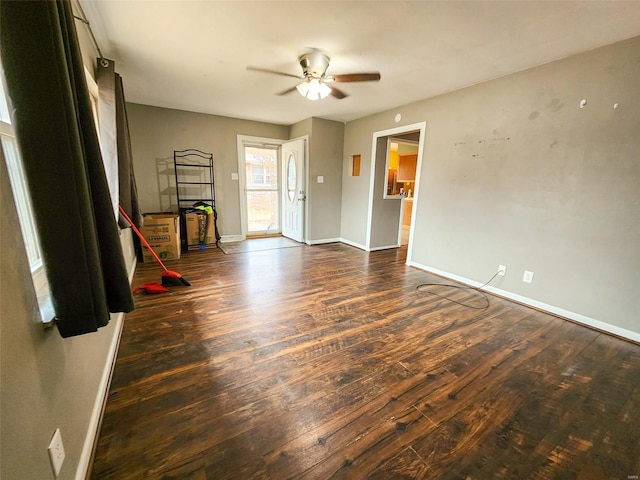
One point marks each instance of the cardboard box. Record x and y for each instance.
(193, 230)
(162, 231)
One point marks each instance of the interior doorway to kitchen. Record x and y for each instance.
(402, 161)
(386, 207)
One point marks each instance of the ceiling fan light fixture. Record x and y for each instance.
(314, 77)
(313, 89)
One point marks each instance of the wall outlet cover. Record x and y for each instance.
(56, 452)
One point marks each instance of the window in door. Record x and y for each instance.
(262, 199)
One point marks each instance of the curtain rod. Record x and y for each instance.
(103, 61)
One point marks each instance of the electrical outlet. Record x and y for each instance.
(527, 277)
(502, 270)
(56, 452)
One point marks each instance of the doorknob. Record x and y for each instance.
(301, 196)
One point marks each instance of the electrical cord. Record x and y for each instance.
(459, 287)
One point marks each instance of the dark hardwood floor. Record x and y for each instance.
(323, 363)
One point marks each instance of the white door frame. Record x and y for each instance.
(422, 127)
(247, 140)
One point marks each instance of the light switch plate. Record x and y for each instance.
(320, 179)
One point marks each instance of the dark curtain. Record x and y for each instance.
(63, 165)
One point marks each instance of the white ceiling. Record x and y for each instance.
(192, 55)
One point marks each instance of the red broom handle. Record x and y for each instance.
(142, 239)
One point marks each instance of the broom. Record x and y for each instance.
(169, 277)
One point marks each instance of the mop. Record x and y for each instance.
(169, 277)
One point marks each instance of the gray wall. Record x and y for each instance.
(325, 199)
(515, 173)
(301, 129)
(157, 132)
(355, 189)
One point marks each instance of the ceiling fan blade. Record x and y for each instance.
(354, 77)
(288, 90)
(275, 72)
(339, 94)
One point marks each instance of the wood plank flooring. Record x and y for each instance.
(323, 362)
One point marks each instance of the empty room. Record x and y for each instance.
(320, 240)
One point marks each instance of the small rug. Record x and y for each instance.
(258, 244)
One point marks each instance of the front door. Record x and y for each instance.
(294, 189)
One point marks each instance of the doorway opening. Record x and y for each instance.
(272, 184)
(260, 186)
(396, 159)
(402, 160)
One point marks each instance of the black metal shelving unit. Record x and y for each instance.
(195, 182)
(197, 167)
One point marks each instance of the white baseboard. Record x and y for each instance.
(98, 405)
(323, 240)
(232, 238)
(388, 247)
(117, 319)
(561, 312)
(353, 244)
(363, 247)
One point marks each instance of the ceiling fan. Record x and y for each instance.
(315, 80)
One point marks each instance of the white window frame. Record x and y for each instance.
(23, 206)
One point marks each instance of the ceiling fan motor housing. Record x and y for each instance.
(314, 64)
